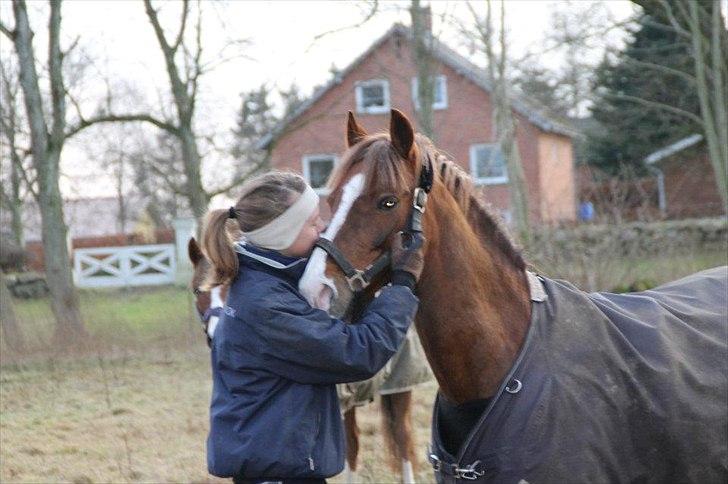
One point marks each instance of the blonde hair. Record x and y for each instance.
(263, 198)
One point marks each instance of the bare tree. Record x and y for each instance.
(578, 32)
(504, 121)
(46, 145)
(14, 189)
(184, 68)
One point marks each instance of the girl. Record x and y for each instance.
(274, 414)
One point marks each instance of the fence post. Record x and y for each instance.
(184, 228)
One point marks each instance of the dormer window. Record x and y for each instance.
(372, 96)
(439, 98)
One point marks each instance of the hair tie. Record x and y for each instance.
(232, 213)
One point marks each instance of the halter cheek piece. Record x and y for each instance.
(359, 279)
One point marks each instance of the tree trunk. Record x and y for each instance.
(422, 56)
(184, 93)
(70, 330)
(16, 206)
(505, 125)
(196, 195)
(713, 115)
(46, 150)
(12, 335)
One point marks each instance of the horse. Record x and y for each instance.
(538, 380)
(396, 395)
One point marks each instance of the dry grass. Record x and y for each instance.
(137, 410)
(139, 418)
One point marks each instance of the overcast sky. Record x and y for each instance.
(281, 49)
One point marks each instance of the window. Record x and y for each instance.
(372, 97)
(439, 100)
(316, 171)
(487, 164)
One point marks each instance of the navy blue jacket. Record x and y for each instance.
(275, 362)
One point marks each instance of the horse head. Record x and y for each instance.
(208, 302)
(373, 197)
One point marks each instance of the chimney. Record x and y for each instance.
(426, 13)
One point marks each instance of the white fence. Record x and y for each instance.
(137, 265)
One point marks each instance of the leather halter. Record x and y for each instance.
(359, 279)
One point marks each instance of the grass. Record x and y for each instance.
(143, 418)
(135, 409)
(121, 317)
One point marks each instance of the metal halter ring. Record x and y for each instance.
(357, 281)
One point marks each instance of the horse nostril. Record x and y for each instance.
(323, 300)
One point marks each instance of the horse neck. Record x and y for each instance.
(475, 306)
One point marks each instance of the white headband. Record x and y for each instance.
(281, 232)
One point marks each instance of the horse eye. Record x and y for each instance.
(388, 203)
(196, 291)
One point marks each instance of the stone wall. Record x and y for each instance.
(633, 238)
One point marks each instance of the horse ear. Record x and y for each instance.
(193, 250)
(402, 134)
(354, 132)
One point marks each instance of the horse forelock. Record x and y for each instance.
(385, 171)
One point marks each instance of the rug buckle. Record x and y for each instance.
(469, 472)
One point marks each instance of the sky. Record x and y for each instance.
(279, 48)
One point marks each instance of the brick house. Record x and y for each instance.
(384, 77)
(685, 178)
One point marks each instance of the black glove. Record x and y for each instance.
(408, 258)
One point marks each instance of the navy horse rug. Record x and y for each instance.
(608, 388)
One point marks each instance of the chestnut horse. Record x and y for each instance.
(476, 305)
(396, 406)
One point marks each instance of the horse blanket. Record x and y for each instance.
(609, 388)
(407, 369)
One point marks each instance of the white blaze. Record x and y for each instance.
(215, 302)
(314, 285)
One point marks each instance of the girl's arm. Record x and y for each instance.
(306, 345)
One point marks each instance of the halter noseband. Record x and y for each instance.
(359, 279)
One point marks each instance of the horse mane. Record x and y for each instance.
(384, 171)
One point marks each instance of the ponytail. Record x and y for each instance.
(263, 199)
(218, 248)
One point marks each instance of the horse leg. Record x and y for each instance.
(352, 444)
(397, 416)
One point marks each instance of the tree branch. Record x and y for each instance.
(372, 12)
(9, 33)
(239, 180)
(112, 118)
(154, 19)
(183, 26)
(661, 68)
(677, 27)
(167, 180)
(657, 105)
(55, 64)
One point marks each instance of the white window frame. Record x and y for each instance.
(306, 160)
(486, 180)
(435, 105)
(360, 98)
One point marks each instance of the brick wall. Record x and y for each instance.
(690, 187)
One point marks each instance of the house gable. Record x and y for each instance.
(466, 120)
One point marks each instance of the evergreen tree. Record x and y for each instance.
(255, 120)
(635, 91)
